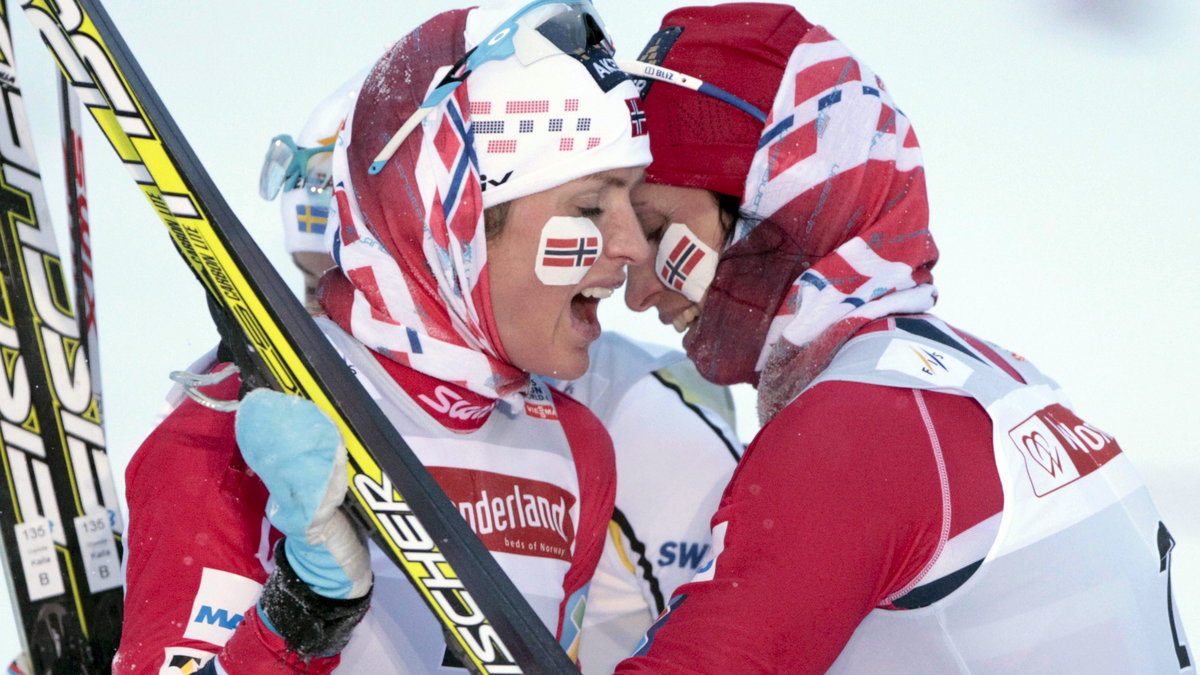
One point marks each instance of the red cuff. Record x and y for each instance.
(255, 649)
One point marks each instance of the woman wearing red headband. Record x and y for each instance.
(918, 500)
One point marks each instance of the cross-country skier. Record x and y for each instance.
(919, 500)
(672, 431)
(300, 172)
(450, 302)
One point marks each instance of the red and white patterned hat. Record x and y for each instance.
(541, 124)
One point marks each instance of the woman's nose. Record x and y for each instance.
(642, 286)
(625, 240)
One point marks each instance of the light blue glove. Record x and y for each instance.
(299, 454)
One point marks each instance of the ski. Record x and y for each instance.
(59, 517)
(489, 625)
(80, 229)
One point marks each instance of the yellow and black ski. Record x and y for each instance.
(60, 521)
(489, 625)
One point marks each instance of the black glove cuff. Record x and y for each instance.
(309, 623)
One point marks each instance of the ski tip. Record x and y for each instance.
(377, 166)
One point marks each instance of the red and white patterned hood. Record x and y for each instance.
(834, 230)
(411, 280)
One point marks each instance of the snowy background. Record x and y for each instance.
(1059, 138)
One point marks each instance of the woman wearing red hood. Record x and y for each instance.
(470, 259)
(918, 500)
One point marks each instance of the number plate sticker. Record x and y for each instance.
(39, 559)
(100, 560)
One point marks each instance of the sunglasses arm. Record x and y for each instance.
(650, 71)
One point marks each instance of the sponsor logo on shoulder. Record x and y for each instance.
(1059, 448)
(539, 402)
(183, 661)
(453, 408)
(924, 363)
(220, 605)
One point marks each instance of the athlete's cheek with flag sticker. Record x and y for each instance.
(568, 248)
(684, 263)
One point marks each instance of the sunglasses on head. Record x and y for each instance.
(539, 29)
(288, 166)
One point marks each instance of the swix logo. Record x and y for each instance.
(686, 554)
(1059, 448)
(451, 406)
(510, 513)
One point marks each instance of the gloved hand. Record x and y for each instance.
(298, 453)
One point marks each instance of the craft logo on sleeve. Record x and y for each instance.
(220, 605)
(512, 514)
(1059, 448)
(925, 363)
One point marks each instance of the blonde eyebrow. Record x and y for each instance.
(608, 180)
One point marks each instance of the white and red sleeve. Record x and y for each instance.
(840, 502)
(196, 542)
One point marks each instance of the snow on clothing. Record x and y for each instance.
(534, 481)
(900, 523)
(675, 450)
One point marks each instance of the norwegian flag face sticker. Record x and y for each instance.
(684, 263)
(568, 249)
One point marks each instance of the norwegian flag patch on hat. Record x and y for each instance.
(684, 263)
